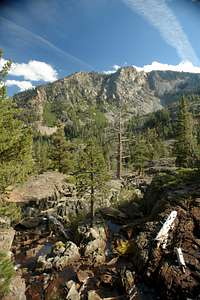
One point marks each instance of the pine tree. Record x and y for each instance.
(140, 153)
(61, 152)
(186, 145)
(156, 147)
(3, 73)
(15, 141)
(91, 172)
(41, 147)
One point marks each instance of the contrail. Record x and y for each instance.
(158, 13)
(46, 42)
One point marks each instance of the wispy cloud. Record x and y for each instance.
(159, 14)
(25, 32)
(22, 85)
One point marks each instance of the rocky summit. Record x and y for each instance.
(141, 92)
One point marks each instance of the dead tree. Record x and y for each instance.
(121, 139)
(120, 149)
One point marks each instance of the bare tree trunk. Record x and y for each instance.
(120, 149)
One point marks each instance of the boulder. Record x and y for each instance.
(6, 238)
(5, 222)
(92, 295)
(44, 263)
(95, 251)
(70, 256)
(73, 293)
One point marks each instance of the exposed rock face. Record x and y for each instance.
(52, 193)
(142, 92)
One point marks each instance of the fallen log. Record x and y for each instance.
(180, 258)
(162, 235)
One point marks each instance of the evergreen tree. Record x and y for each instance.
(41, 147)
(61, 152)
(91, 172)
(15, 142)
(186, 145)
(140, 153)
(3, 73)
(156, 147)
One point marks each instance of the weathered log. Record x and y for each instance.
(180, 258)
(162, 235)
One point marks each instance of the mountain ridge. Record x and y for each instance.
(141, 92)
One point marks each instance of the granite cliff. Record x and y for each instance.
(141, 92)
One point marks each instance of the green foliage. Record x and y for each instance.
(15, 143)
(10, 210)
(186, 144)
(91, 171)
(49, 116)
(168, 180)
(41, 149)
(61, 152)
(15, 147)
(139, 153)
(127, 195)
(161, 121)
(3, 74)
(6, 274)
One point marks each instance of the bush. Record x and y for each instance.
(10, 210)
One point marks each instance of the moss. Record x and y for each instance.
(6, 273)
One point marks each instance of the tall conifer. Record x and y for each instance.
(15, 140)
(186, 145)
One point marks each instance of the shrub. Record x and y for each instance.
(10, 210)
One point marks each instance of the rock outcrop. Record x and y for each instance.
(51, 193)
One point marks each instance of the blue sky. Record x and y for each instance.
(50, 39)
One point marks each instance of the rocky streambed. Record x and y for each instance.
(120, 256)
(85, 267)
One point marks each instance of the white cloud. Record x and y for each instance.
(159, 14)
(184, 66)
(114, 69)
(22, 85)
(33, 70)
